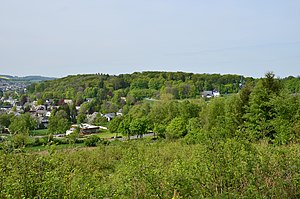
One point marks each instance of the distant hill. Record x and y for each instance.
(6, 77)
(32, 78)
(138, 85)
(35, 78)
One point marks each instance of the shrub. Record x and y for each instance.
(39, 141)
(91, 141)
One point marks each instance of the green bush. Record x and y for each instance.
(60, 141)
(78, 141)
(91, 141)
(154, 169)
(40, 141)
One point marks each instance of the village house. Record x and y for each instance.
(68, 101)
(209, 94)
(85, 129)
(109, 116)
(119, 113)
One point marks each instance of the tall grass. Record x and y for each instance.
(147, 169)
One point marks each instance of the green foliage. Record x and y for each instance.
(195, 131)
(261, 110)
(109, 107)
(213, 115)
(139, 126)
(20, 140)
(100, 120)
(39, 132)
(241, 145)
(257, 112)
(81, 118)
(233, 114)
(113, 125)
(74, 136)
(14, 109)
(292, 84)
(92, 141)
(139, 85)
(124, 127)
(159, 130)
(176, 129)
(59, 122)
(140, 94)
(5, 119)
(156, 83)
(271, 84)
(188, 109)
(22, 124)
(140, 110)
(194, 124)
(40, 141)
(186, 90)
(143, 169)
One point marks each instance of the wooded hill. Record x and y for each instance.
(137, 85)
(32, 78)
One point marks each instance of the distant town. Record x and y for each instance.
(11, 92)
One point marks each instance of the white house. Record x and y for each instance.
(85, 129)
(209, 94)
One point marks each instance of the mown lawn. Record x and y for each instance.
(106, 135)
(42, 132)
(39, 132)
(45, 147)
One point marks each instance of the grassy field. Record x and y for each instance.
(106, 135)
(39, 132)
(64, 145)
(42, 132)
(53, 147)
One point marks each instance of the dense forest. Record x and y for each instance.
(242, 144)
(138, 85)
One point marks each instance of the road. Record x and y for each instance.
(121, 139)
(136, 136)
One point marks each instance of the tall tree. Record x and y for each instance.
(176, 129)
(5, 119)
(59, 122)
(113, 125)
(139, 126)
(124, 127)
(261, 109)
(22, 124)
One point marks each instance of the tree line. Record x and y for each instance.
(137, 85)
(265, 108)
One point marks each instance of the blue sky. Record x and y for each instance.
(62, 37)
